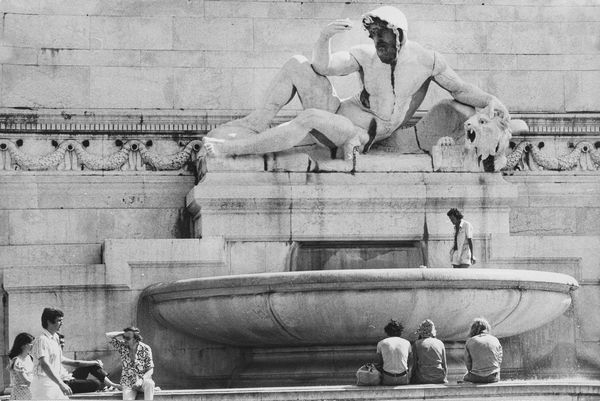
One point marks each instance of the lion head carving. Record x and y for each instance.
(489, 137)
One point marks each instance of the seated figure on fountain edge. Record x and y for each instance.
(395, 74)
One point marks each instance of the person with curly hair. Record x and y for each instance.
(483, 354)
(394, 356)
(138, 365)
(429, 354)
(20, 367)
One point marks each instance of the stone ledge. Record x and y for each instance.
(517, 391)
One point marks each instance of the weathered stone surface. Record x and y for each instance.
(282, 35)
(140, 263)
(17, 55)
(584, 247)
(257, 257)
(550, 37)
(527, 90)
(588, 301)
(200, 88)
(71, 192)
(485, 12)
(554, 62)
(256, 60)
(501, 62)
(51, 31)
(244, 9)
(131, 33)
(559, 13)
(122, 88)
(89, 226)
(581, 90)
(50, 254)
(160, 58)
(4, 224)
(43, 86)
(213, 34)
(84, 57)
(451, 36)
(543, 221)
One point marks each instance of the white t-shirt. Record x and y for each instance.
(394, 352)
(462, 256)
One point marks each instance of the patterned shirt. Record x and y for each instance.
(133, 369)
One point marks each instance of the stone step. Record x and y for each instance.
(506, 391)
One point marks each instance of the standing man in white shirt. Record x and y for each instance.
(461, 254)
(48, 358)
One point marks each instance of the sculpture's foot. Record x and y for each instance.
(212, 146)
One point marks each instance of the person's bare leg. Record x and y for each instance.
(295, 77)
(337, 131)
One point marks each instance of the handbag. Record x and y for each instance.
(368, 375)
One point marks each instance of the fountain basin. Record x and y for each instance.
(345, 307)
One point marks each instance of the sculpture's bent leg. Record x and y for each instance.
(332, 130)
(295, 77)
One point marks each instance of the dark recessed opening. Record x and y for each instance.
(341, 255)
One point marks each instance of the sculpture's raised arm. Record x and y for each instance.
(339, 63)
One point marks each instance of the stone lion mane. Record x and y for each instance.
(489, 137)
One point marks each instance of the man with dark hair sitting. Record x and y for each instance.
(138, 365)
(78, 379)
(395, 356)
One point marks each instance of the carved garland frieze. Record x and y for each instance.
(72, 154)
(528, 156)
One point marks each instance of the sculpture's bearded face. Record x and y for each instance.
(384, 40)
(489, 138)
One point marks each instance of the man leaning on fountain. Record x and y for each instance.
(394, 73)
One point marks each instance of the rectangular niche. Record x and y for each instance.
(342, 255)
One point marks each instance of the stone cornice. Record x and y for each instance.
(184, 122)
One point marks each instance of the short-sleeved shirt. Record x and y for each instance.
(20, 371)
(485, 353)
(133, 370)
(462, 254)
(395, 352)
(429, 361)
(47, 345)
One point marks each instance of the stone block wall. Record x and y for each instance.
(207, 56)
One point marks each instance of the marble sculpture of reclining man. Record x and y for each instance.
(395, 74)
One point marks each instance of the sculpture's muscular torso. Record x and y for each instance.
(395, 74)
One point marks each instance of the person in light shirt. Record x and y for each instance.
(47, 383)
(461, 254)
(483, 354)
(394, 356)
(429, 356)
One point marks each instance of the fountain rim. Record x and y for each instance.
(371, 279)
